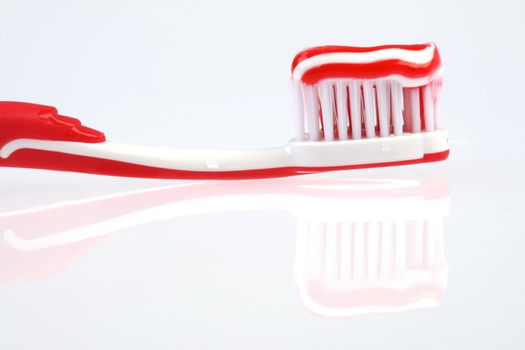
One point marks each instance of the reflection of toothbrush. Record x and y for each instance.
(38, 242)
(355, 108)
(385, 255)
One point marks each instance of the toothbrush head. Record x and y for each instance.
(345, 92)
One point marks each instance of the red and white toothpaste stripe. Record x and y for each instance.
(409, 63)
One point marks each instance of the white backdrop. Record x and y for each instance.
(214, 74)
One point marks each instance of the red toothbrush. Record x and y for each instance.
(356, 107)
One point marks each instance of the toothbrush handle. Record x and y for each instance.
(109, 158)
(36, 136)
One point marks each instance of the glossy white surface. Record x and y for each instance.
(230, 279)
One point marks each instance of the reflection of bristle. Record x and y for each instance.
(346, 255)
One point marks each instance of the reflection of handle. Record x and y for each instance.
(46, 239)
(303, 197)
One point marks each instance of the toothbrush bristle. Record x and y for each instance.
(345, 93)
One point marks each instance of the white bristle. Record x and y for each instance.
(311, 111)
(436, 89)
(298, 106)
(383, 105)
(327, 108)
(397, 107)
(369, 108)
(355, 108)
(414, 110)
(407, 110)
(342, 110)
(388, 107)
(336, 109)
(428, 107)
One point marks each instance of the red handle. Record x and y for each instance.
(27, 120)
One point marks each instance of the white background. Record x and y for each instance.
(214, 74)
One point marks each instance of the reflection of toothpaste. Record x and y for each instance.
(411, 65)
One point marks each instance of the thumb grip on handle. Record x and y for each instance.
(19, 120)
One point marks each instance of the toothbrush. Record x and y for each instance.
(355, 107)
